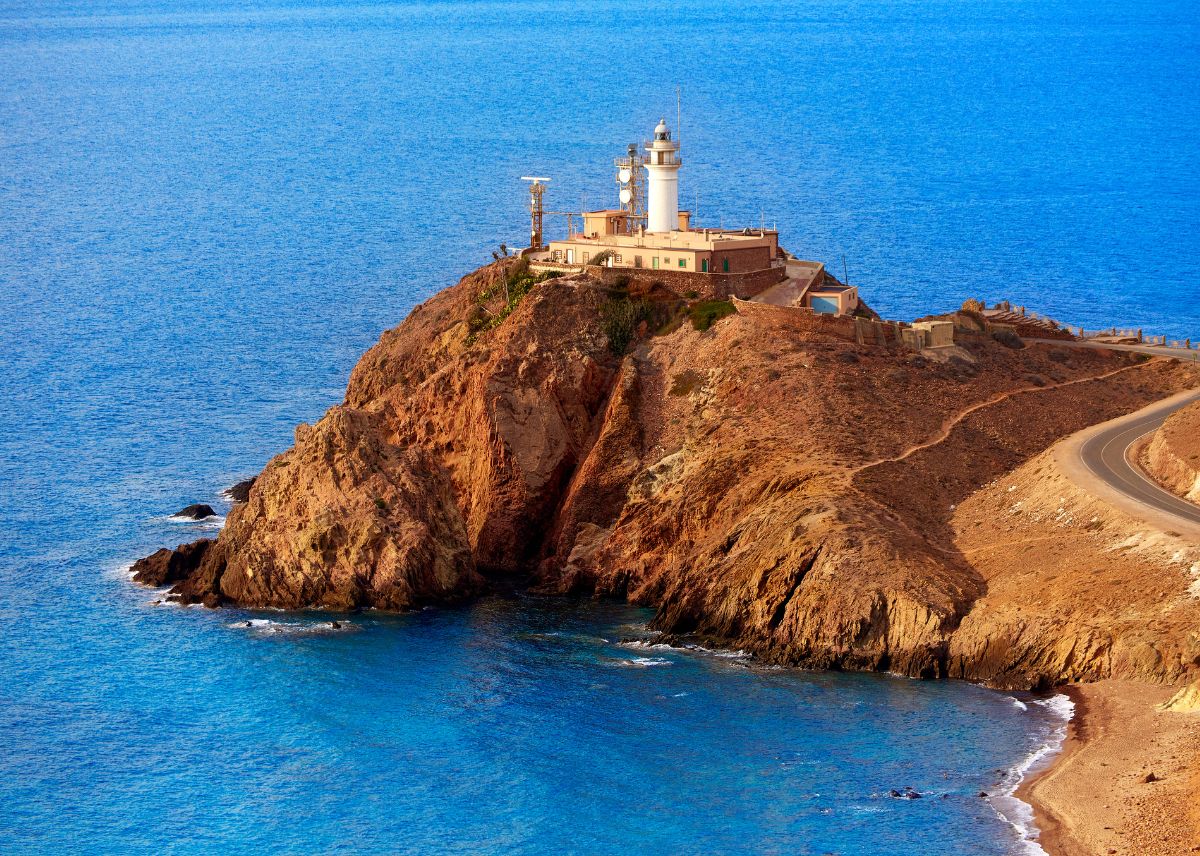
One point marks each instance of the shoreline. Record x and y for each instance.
(1052, 837)
(1126, 779)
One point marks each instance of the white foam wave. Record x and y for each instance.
(1018, 704)
(1060, 705)
(120, 572)
(1017, 812)
(217, 521)
(724, 654)
(269, 627)
(641, 662)
(646, 645)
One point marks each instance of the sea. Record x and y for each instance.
(210, 208)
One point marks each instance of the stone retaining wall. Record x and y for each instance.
(695, 286)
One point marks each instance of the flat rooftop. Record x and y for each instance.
(692, 239)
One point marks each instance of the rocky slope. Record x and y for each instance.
(1172, 457)
(765, 482)
(1076, 590)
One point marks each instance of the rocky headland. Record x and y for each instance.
(751, 471)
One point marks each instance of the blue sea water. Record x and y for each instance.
(209, 209)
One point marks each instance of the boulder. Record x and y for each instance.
(199, 511)
(240, 492)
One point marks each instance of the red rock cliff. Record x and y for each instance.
(764, 482)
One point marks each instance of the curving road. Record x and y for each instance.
(1105, 454)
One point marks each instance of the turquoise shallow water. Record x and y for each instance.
(208, 210)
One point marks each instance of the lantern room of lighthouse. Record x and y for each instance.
(662, 185)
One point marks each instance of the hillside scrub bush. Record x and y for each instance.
(973, 305)
(620, 318)
(708, 312)
(1008, 339)
(518, 283)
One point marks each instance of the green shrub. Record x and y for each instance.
(707, 312)
(620, 318)
(380, 504)
(519, 282)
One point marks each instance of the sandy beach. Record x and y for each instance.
(1127, 780)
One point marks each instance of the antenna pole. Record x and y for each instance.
(678, 114)
(845, 271)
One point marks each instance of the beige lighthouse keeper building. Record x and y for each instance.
(661, 243)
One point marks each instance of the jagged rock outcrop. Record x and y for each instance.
(766, 482)
(240, 492)
(166, 566)
(346, 519)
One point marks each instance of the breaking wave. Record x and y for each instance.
(1017, 812)
(270, 627)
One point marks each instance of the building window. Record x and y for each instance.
(586, 256)
(666, 260)
(557, 255)
(725, 264)
(616, 260)
(683, 263)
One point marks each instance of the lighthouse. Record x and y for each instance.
(662, 187)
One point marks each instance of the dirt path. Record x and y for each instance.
(949, 425)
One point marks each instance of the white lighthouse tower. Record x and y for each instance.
(662, 190)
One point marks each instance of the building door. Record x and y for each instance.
(637, 261)
(704, 265)
(725, 264)
(654, 262)
(570, 257)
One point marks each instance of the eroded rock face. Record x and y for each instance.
(448, 456)
(753, 482)
(347, 519)
(1172, 457)
(1076, 589)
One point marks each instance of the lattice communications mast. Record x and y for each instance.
(537, 208)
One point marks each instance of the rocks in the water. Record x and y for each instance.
(240, 492)
(169, 566)
(907, 794)
(198, 511)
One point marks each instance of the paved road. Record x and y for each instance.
(1106, 456)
